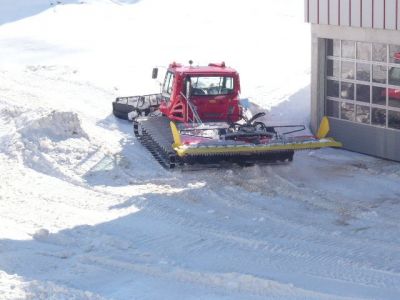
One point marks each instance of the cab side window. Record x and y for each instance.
(169, 80)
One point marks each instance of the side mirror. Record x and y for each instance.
(154, 74)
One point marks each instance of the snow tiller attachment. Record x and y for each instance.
(213, 143)
(198, 119)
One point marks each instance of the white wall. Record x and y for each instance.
(378, 14)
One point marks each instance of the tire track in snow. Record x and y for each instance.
(284, 252)
(355, 244)
(233, 282)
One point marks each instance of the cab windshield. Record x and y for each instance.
(211, 85)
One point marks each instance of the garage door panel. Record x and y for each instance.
(369, 140)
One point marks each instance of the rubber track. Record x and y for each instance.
(155, 134)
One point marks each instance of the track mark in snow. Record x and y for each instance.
(233, 282)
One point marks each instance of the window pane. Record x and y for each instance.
(379, 74)
(394, 97)
(347, 70)
(211, 85)
(229, 83)
(394, 119)
(379, 52)
(363, 93)
(347, 91)
(347, 111)
(333, 47)
(378, 117)
(363, 51)
(332, 88)
(348, 49)
(332, 108)
(362, 114)
(394, 76)
(394, 52)
(332, 68)
(363, 72)
(379, 95)
(167, 88)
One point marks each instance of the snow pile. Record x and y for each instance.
(54, 126)
(49, 142)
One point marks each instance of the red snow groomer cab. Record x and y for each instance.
(214, 93)
(197, 118)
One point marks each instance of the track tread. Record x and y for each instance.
(155, 134)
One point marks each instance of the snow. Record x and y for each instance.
(87, 213)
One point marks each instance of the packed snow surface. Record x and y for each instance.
(87, 213)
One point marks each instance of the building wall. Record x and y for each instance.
(377, 14)
(362, 138)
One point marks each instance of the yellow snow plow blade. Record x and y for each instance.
(281, 144)
(184, 150)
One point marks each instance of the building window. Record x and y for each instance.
(394, 119)
(333, 48)
(364, 51)
(379, 52)
(332, 68)
(379, 74)
(347, 91)
(378, 117)
(348, 49)
(363, 72)
(333, 108)
(363, 83)
(333, 88)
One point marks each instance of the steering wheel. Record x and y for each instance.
(198, 92)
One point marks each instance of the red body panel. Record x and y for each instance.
(221, 107)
